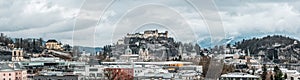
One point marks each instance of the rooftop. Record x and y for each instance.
(239, 75)
(51, 40)
(5, 67)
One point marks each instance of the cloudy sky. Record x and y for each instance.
(100, 22)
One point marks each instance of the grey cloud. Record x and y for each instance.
(262, 18)
(21, 16)
(56, 18)
(38, 18)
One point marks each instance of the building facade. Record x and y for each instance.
(53, 44)
(9, 73)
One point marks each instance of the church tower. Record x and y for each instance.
(17, 54)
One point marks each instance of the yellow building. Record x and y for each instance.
(53, 44)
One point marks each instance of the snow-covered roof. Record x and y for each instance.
(239, 75)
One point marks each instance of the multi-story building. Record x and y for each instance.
(10, 72)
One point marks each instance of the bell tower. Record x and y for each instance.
(17, 54)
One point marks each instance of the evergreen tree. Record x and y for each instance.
(285, 76)
(271, 77)
(278, 73)
(264, 74)
(253, 70)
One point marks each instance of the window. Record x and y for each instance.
(3, 74)
(93, 69)
(99, 74)
(15, 53)
(92, 75)
(9, 74)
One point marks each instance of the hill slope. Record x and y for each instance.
(272, 45)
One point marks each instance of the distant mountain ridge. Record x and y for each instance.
(92, 50)
(233, 39)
